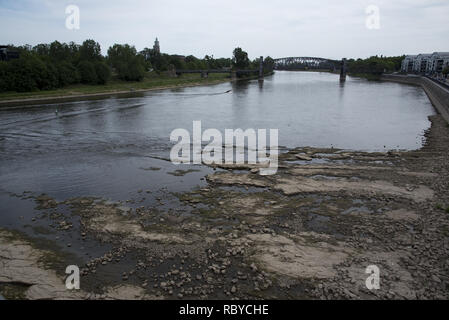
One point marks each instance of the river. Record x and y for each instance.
(114, 147)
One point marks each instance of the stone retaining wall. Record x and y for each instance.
(438, 95)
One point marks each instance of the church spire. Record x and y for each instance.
(156, 46)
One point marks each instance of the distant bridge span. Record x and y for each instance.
(302, 63)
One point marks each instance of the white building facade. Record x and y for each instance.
(426, 63)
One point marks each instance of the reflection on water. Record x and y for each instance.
(97, 146)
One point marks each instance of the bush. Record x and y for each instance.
(136, 70)
(29, 73)
(103, 72)
(87, 72)
(67, 74)
(48, 76)
(129, 65)
(4, 85)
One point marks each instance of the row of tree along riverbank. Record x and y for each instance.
(61, 65)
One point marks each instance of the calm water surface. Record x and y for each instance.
(108, 147)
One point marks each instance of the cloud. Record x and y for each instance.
(325, 28)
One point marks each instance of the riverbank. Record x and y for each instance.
(113, 88)
(116, 88)
(308, 232)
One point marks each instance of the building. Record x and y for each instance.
(178, 56)
(426, 63)
(422, 62)
(156, 47)
(438, 61)
(6, 54)
(408, 63)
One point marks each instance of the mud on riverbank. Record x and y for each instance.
(307, 232)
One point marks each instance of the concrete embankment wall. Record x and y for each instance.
(438, 95)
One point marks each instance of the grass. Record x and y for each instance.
(151, 81)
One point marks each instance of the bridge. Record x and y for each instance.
(233, 73)
(305, 63)
(205, 72)
(288, 63)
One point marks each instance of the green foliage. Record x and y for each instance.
(87, 72)
(42, 49)
(177, 62)
(4, 85)
(268, 64)
(59, 51)
(55, 65)
(90, 51)
(67, 74)
(103, 72)
(445, 71)
(120, 53)
(129, 65)
(374, 65)
(240, 59)
(135, 70)
(162, 62)
(28, 73)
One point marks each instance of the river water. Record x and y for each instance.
(113, 147)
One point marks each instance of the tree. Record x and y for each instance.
(67, 74)
(90, 51)
(48, 75)
(4, 83)
(445, 71)
(147, 54)
(374, 65)
(120, 53)
(103, 72)
(87, 72)
(129, 65)
(177, 62)
(59, 51)
(160, 62)
(30, 72)
(42, 49)
(268, 64)
(135, 70)
(240, 59)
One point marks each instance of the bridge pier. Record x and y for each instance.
(343, 70)
(261, 68)
(172, 71)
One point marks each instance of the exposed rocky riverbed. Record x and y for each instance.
(307, 232)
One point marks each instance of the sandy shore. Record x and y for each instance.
(99, 95)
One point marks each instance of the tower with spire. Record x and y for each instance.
(156, 47)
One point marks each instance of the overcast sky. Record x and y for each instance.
(319, 28)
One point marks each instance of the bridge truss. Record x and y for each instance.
(304, 63)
